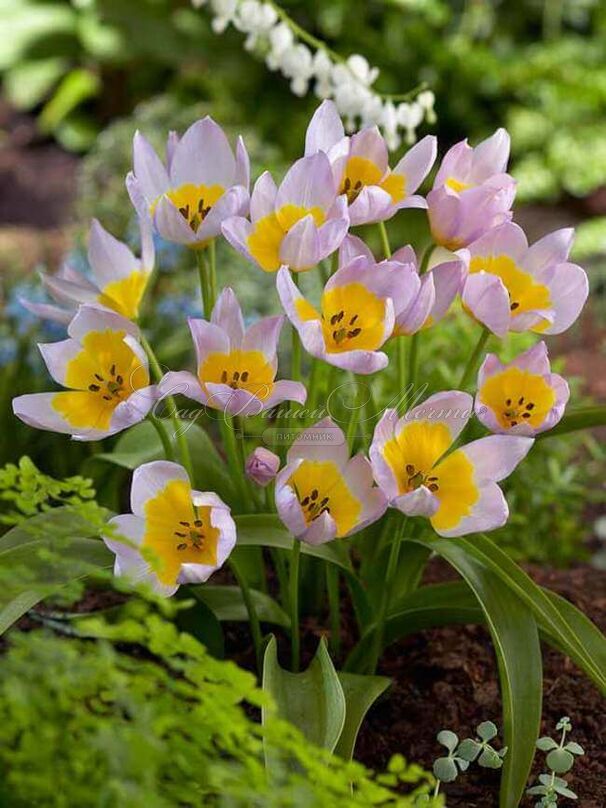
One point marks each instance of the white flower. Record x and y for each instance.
(362, 71)
(426, 100)
(409, 117)
(281, 39)
(372, 111)
(255, 19)
(224, 12)
(198, 3)
(323, 68)
(297, 65)
(389, 123)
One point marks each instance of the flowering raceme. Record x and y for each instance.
(296, 225)
(106, 371)
(514, 287)
(457, 490)
(201, 185)
(236, 368)
(361, 169)
(357, 312)
(174, 535)
(429, 296)
(119, 278)
(471, 192)
(523, 397)
(322, 494)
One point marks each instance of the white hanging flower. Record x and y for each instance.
(409, 117)
(255, 19)
(361, 70)
(198, 3)
(389, 124)
(297, 65)
(281, 39)
(372, 111)
(224, 12)
(323, 69)
(426, 101)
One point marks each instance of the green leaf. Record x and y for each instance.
(546, 744)
(469, 749)
(445, 769)
(24, 25)
(487, 730)
(560, 761)
(570, 631)
(227, 603)
(79, 85)
(411, 563)
(312, 700)
(575, 748)
(360, 692)
(141, 444)
(516, 640)
(27, 83)
(575, 419)
(490, 759)
(266, 530)
(201, 622)
(448, 739)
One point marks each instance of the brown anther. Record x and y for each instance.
(185, 524)
(433, 487)
(353, 319)
(99, 378)
(224, 376)
(410, 469)
(244, 376)
(112, 370)
(525, 415)
(514, 306)
(182, 546)
(198, 523)
(355, 333)
(530, 405)
(94, 388)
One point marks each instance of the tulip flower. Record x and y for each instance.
(262, 466)
(523, 397)
(429, 296)
(471, 193)
(514, 287)
(236, 368)
(360, 165)
(201, 185)
(106, 371)
(296, 225)
(456, 491)
(322, 494)
(174, 535)
(119, 278)
(357, 313)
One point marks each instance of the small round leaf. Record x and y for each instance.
(560, 761)
(575, 748)
(487, 730)
(448, 739)
(469, 749)
(445, 769)
(546, 744)
(489, 759)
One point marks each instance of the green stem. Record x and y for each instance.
(204, 274)
(385, 240)
(392, 566)
(354, 415)
(235, 461)
(334, 605)
(177, 428)
(474, 360)
(253, 617)
(163, 435)
(212, 252)
(436, 790)
(294, 605)
(413, 356)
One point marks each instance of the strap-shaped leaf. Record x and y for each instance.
(360, 692)
(227, 603)
(266, 530)
(516, 640)
(312, 700)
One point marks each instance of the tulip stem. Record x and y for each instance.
(390, 572)
(413, 355)
(294, 605)
(206, 283)
(178, 432)
(385, 240)
(235, 461)
(334, 605)
(253, 617)
(163, 435)
(474, 360)
(354, 414)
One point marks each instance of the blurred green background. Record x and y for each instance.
(79, 77)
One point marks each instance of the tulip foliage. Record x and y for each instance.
(349, 495)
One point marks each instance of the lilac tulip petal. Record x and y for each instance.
(182, 383)
(287, 504)
(448, 280)
(137, 196)
(309, 182)
(47, 311)
(227, 315)
(234, 202)
(237, 231)
(171, 225)
(134, 409)
(333, 445)
(417, 162)
(150, 479)
(569, 289)
(496, 456)
(150, 172)
(534, 360)
(487, 298)
(353, 247)
(69, 292)
(203, 156)
(373, 204)
(457, 163)
(110, 259)
(406, 255)
(362, 362)
(508, 239)
(68, 273)
(300, 248)
(415, 315)
(322, 530)
(242, 175)
(452, 408)
(324, 130)
(331, 235)
(36, 410)
(370, 144)
(263, 198)
(57, 355)
(420, 502)
(92, 318)
(553, 248)
(129, 527)
(489, 513)
(491, 156)
(234, 402)
(264, 336)
(285, 390)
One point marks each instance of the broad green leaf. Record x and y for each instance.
(27, 83)
(312, 700)
(516, 640)
(560, 761)
(227, 604)
(360, 692)
(570, 631)
(201, 622)
(79, 85)
(141, 444)
(411, 563)
(266, 530)
(25, 24)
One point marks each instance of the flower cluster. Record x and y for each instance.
(348, 82)
(418, 462)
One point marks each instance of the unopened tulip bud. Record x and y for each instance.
(262, 466)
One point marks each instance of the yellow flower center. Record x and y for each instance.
(517, 396)
(320, 488)
(177, 532)
(360, 172)
(414, 458)
(124, 296)
(240, 370)
(457, 185)
(102, 375)
(194, 202)
(352, 318)
(525, 294)
(266, 238)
